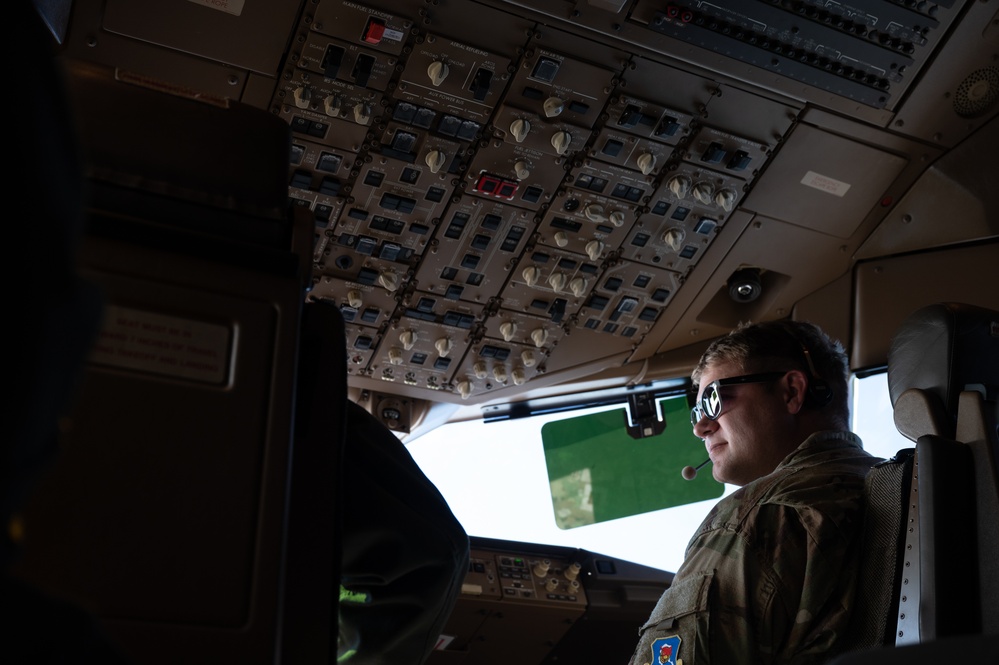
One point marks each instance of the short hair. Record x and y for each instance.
(784, 345)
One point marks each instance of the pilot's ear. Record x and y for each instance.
(795, 386)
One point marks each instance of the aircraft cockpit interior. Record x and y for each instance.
(464, 215)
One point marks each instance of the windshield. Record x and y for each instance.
(494, 476)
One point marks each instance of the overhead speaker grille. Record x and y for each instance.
(977, 93)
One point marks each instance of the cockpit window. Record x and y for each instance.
(495, 478)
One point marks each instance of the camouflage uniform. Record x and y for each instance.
(769, 575)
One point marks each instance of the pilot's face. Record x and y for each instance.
(751, 434)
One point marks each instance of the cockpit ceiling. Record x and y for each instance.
(511, 194)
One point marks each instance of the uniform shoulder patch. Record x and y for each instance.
(666, 651)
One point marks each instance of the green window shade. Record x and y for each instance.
(597, 472)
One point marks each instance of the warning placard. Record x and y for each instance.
(149, 342)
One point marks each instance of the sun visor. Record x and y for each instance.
(598, 472)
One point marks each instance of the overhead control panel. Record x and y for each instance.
(475, 205)
(867, 55)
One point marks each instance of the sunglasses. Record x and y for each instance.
(710, 405)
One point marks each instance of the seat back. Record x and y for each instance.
(943, 376)
(943, 379)
(886, 494)
(182, 510)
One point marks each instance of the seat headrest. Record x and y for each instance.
(944, 349)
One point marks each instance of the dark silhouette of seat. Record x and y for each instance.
(190, 505)
(931, 541)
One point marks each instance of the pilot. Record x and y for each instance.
(770, 574)
(405, 554)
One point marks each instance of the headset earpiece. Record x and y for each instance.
(820, 392)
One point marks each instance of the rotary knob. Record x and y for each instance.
(704, 192)
(507, 330)
(561, 141)
(646, 163)
(464, 389)
(332, 105)
(302, 96)
(443, 346)
(595, 213)
(520, 128)
(553, 106)
(531, 274)
(594, 249)
(362, 113)
(438, 71)
(539, 336)
(389, 281)
(725, 198)
(435, 160)
(395, 356)
(679, 185)
(408, 339)
(674, 238)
